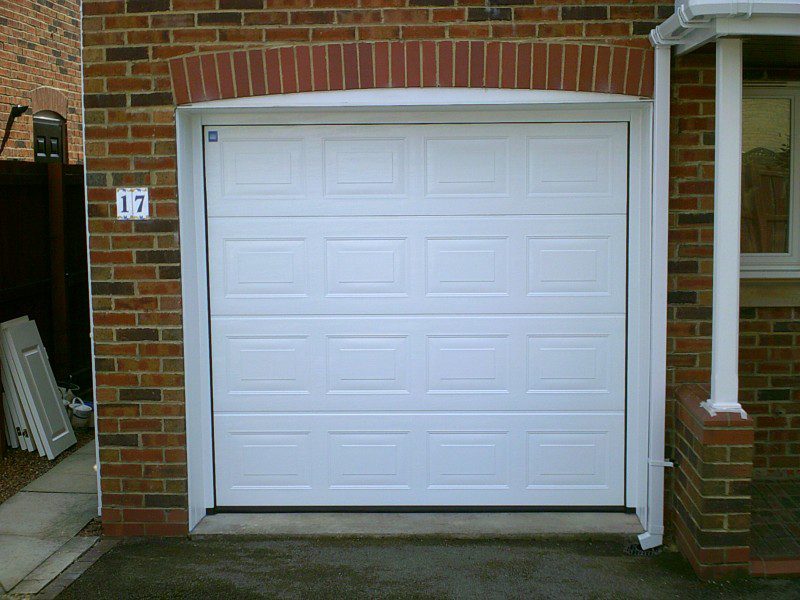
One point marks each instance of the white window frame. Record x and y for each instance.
(768, 265)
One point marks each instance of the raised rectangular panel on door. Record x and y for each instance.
(266, 365)
(252, 172)
(261, 459)
(366, 267)
(380, 459)
(370, 168)
(375, 364)
(577, 169)
(567, 459)
(466, 167)
(467, 266)
(570, 266)
(259, 268)
(468, 460)
(418, 315)
(577, 366)
(468, 364)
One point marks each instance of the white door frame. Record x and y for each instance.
(419, 106)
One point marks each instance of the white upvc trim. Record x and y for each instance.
(396, 97)
(472, 107)
(96, 441)
(782, 25)
(196, 336)
(727, 230)
(698, 22)
(774, 265)
(654, 534)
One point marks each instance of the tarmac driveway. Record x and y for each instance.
(248, 567)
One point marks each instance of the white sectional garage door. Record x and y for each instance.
(418, 315)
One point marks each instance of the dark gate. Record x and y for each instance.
(43, 267)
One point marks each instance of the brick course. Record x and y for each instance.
(40, 47)
(365, 65)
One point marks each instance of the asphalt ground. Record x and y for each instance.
(421, 568)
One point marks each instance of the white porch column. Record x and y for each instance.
(727, 222)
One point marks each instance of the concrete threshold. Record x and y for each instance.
(454, 525)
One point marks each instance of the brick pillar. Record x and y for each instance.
(714, 465)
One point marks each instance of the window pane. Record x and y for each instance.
(767, 124)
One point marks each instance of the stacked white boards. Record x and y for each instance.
(34, 413)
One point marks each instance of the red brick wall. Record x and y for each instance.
(711, 495)
(130, 141)
(769, 380)
(691, 226)
(690, 237)
(40, 46)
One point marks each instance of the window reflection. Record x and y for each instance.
(767, 125)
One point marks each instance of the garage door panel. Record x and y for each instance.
(418, 265)
(419, 363)
(568, 168)
(420, 459)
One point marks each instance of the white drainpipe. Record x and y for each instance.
(654, 535)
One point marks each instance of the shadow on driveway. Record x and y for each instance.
(247, 567)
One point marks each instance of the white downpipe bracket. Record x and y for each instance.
(654, 535)
(727, 223)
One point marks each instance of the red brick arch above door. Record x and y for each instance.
(454, 64)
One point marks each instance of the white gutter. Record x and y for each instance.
(696, 22)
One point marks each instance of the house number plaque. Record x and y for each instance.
(133, 203)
